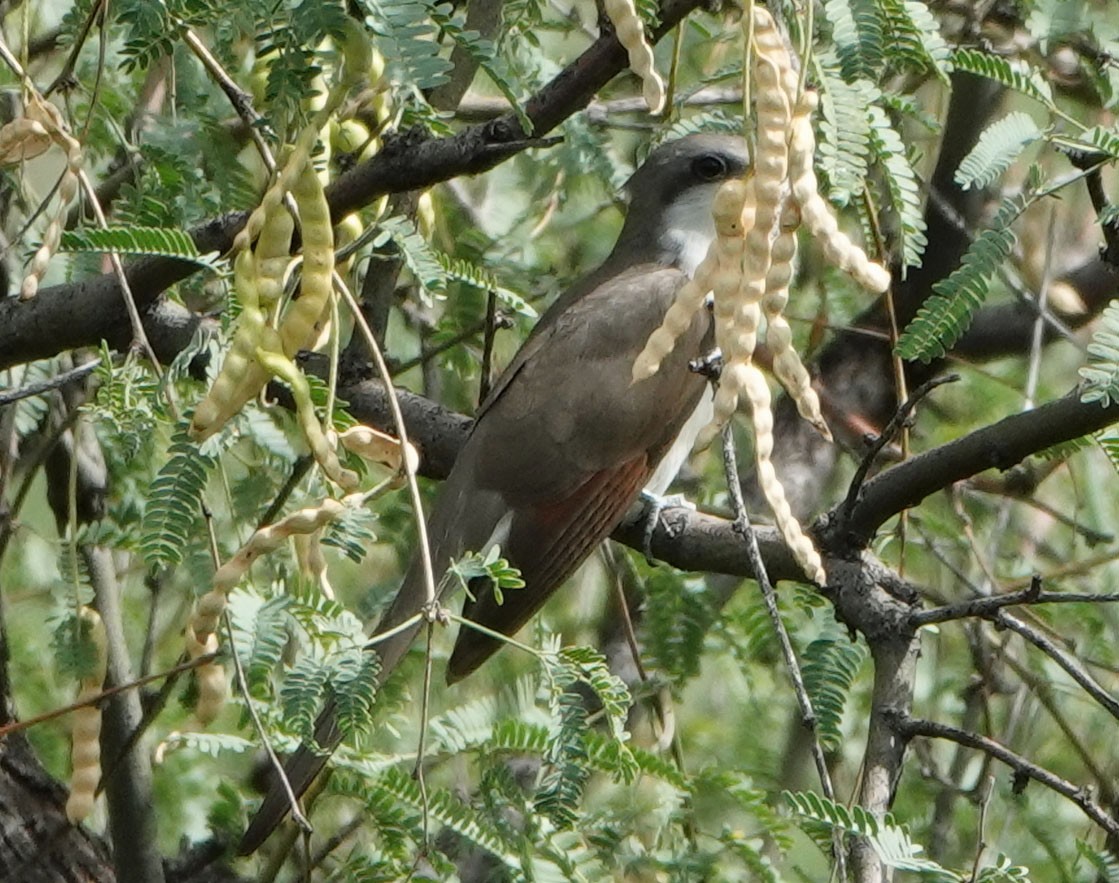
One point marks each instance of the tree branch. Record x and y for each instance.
(1023, 769)
(999, 445)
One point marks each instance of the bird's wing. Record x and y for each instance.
(570, 442)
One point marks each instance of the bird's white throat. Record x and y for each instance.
(689, 227)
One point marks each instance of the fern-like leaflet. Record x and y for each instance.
(1000, 144)
(1019, 76)
(174, 504)
(829, 667)
(901, 183)
(167, 242)
(946, 315)
(857, 33)
(1101, 374)
(913, 35)
(462, 270)
(302, 694)
(844, 147)
(418, 256)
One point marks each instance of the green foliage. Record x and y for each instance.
(491, 567)
(844, 146)
(353, 533)
(857, 32)
(419, 257)
(1001, 144)
(127, 406)
(354, 678)
(270, 636)
(161, 241)
(461, 270)
(1101, 374)
(302, 695)
(914, 39)
(1018, 75)
(405, 34)
(679, 614)
(75, 655)
(1104, 863)
(902, 186)
(829, 666)
(175, 504)
(945, 316)
(483, 52)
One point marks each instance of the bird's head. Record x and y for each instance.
(671, 195)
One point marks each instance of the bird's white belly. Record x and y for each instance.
(672, 462)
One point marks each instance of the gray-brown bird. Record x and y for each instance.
(564, 442)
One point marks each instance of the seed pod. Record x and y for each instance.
(817, 214)
(380, 447)
(757, 393)
(42, 116)
(85, 750)
(631, 34)
(241, 376)
(272, 256)
(302, 320)
(213, 687)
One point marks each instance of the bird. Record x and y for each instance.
(564, 442)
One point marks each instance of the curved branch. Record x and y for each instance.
(1023, 769)
(1000, 445)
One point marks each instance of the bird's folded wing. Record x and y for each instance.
(547, 542)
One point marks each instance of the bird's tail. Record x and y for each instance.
(300, 770)
(308, 760)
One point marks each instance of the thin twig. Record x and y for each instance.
(897, 422)
(258, 725)
(401, 433)
(804, 702)
(1023, 769)
(7, 397)
(299, 469)
(107, 693)
(502, 321)
(989, 605)
(487, 345)
(238, 97)
(421, 742)
(984, 805)
(1065, 660)
(67, 72)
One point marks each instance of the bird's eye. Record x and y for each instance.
(710, 167)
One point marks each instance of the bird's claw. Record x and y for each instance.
(656, 505)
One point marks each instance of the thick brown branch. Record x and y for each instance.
(1000, 445)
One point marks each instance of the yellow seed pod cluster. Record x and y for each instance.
(631, 34)
(750, 265)
(85, 749)
(34, 133)
(258, 350)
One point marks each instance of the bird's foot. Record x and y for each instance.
(657, 504)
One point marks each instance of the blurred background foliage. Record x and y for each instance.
(521, 786)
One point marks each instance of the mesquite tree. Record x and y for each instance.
(205, 495)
